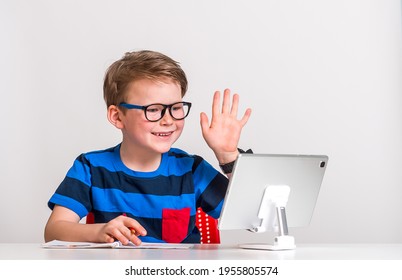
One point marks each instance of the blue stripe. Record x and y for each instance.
(178, 166)
(203, 176)
(69, 203)
(150, 239)
(140, 205)
(80, 171)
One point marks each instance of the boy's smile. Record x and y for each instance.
(162, 134)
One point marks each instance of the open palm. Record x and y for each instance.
(222, 134)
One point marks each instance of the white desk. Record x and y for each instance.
(29, 251)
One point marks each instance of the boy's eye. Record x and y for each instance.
(177, 107)
(153, 109)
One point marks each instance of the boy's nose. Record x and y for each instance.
(167, 118)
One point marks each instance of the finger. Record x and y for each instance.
(245, 117)
(117, 234)
(216, 104)
(133, 236)
(135, 227)
(138, 230)
(235, 105)
(108, 238)
(130, 234)
(135, 240)
(226, 102)
(204, 123)
(125, 236)
(128, 231)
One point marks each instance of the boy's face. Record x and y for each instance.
(140, 133)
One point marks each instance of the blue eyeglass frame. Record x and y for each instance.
(144, 108)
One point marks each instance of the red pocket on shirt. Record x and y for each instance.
(175, 224)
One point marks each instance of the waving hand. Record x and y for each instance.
(222, 133)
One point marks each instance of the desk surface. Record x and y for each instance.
(30, 251)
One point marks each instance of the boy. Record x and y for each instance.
(143, 189)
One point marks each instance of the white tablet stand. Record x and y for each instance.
(273, 216)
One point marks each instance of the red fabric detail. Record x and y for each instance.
(175, 224)
(90, 218)
(208, 227)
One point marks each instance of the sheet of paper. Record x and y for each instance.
(86, 245)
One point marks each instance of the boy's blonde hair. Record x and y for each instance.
(138, 65)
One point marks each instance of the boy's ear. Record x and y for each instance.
(113, 115)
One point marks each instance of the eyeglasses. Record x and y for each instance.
(155, 112)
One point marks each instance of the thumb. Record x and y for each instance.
(204, 123)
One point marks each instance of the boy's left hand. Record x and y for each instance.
(223, 134)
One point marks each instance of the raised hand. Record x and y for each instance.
(222, 134)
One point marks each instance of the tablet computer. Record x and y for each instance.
(254, 173)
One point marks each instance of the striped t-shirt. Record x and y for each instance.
(164, 201)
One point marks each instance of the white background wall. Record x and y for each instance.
(322, 77)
